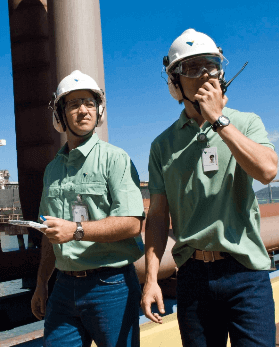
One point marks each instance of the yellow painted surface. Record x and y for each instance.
(167, 334)
(275, 287)
(163, 335)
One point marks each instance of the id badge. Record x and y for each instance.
(210, 159)
(79, 210)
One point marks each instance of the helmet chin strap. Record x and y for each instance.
(195, 104)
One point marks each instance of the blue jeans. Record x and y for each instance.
(103, 307)
(214, 299)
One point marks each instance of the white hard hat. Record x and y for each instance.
(77, 81)
(189, 43)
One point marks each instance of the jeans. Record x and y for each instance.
(102, 307)
(224, 297)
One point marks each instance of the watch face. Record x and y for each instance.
(223, 120)
(78, 234)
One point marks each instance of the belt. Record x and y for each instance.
(83, 273)
(209, 256)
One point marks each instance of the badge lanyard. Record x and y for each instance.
(209, 154)
(79, 210)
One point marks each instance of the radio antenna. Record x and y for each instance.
(230, 81)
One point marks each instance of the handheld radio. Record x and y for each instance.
(224, 84)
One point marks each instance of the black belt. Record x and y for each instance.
(83, 273)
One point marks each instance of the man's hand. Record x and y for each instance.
(211, 100)
(152, 294)
(38, 302)
(59, 230)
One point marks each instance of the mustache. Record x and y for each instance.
(82, 117)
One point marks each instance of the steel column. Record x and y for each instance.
(76, 42)
(37, 141)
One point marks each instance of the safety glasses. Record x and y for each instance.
(74, 105)
(197, 66)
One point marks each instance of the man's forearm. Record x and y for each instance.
(112, 229)
(256, 160)
(47, 262)
(156, 236)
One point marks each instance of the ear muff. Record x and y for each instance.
(101, 110)
(57, 124)
(101, 116)
(58, 121)
(174, 90)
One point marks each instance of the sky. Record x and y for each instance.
(136, 36)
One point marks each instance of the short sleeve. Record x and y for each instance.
(256, 132)
(156, 183)
(123, 183)
(43, 209)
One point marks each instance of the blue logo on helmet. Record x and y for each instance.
(190, 43)
(76, 80)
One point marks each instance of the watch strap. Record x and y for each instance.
(219, 123)
(215, 125)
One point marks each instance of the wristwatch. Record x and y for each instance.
(222, 121)
(79, 233)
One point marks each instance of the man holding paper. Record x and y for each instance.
(93, 209)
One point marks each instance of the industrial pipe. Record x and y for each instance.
(76, 43)
(37, 141)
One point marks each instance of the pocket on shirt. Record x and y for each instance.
(95, 195)
(91, 188)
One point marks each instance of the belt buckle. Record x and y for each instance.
(208, 261)
(82, 274)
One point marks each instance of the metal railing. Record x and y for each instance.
(13, 216)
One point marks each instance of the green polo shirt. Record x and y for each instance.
(108, 182)
(214, 210)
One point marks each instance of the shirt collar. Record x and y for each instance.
(84, 148)
(87, 146)
(183, 119)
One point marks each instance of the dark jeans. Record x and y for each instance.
(214, 299)
(104, 307)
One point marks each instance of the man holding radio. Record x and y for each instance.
(223, 285)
